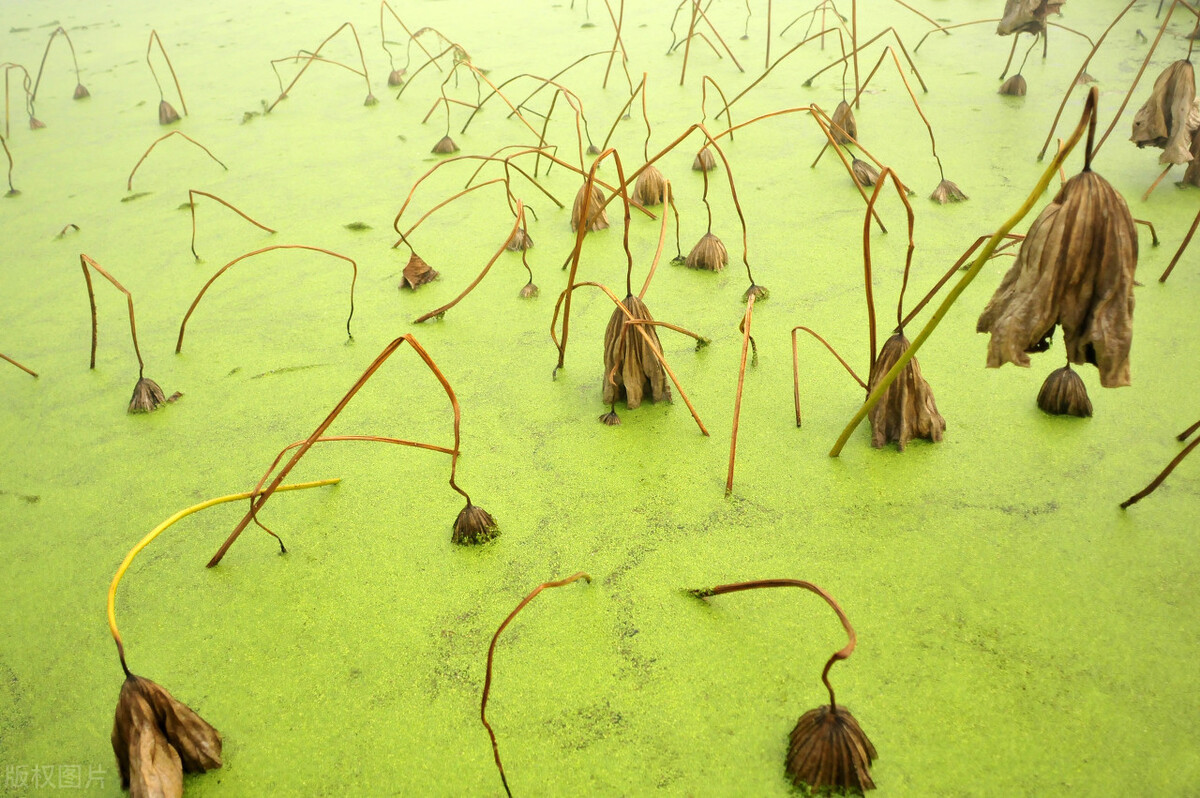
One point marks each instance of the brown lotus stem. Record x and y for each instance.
(698, 12)
(308, 62)
(843, 653)
(487, 680)
(658, 355)
(617, 21)
(193, 193)
(129, 182)
(580, 232)
(662, 237)
(1187, 239)
(917, 105)
(704, 81)
(309, 57)
(412, 39)
(273, 247)
(42, 66)
(616, 119)
(1166, 472)
(63, 232)
(1187, 433)
(84, 263)
(517, 225)
(868, 43)
(796, 365)
(324, 425)
(154, 37)
(1153, 232)
(854, 52)
(737, 401)
(404, 236)
(26, 84)
(700, 339)
(1157, 180)
(900, 191)
(1013, 51)
(11, 190)
(542, 83)
(25, 369)
(779, 60)
(1012, 239)
(887, 379)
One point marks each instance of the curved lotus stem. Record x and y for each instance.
(487, 680)
(1187, 239)
(698, 13)
(25, 369)
(617, 21)
(154, 37)
(737, 402)
(158, 530)
(12, 191)
(84, 263)
(841, 654)
(1088, 119)
(307, 56)
(411, 37)
(1166, 472)
(261, 497)
(239, 258)
(868, 278)
(129, 183)
(193, 193)
(796, 364)
(74, 60)
(317, 52)
(854, 54)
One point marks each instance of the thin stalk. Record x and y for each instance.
(192, 193)
(1158, 480)
(25, 369)
(1043, 182)
(779, 60)
(1013, 239)
(12, 191)
(317, 52)
(158, 530)
(129, 182)
(74, 60)
(867, 44)
(700, 339)
(1187, 239)
(487, 680)
(517, 224)
(154, 37)
(737, 401)
(384, 4)
(617, 21)
(917, 105)
(84, 263)
(662, 237)
(240, 258)
(616, 119)
(796, 365)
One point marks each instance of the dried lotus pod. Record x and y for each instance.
(147, 396)
(865, 173)
(167, 113)
(528, 291)
(906, 410)
(396, 78)
(709, 253)
(1014, 86)
(947, 192)
(417, 273)
(829, 750)
(81, 92)
(1166, 120)
(474, 525)
(1075, 268)
(1026, 16)
(650, 187)
(371, 100)
(704, 161)
(445, 146)
(519, 241)
(631, 369)
(842, 124)
(597, 217)
(1064, 394)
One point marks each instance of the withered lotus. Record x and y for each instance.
(445, 146)
(1026, 16)
(474, 525)
(1014, 86)
(704, 161)
(147, 396)
(709, 253)
(828, 749)
(947, 192)
(1064, 394)
(630, 358)
(597, 217)
(167, 113)
(843, 125)
(650, 187)
(906, 410)
(1168, 118)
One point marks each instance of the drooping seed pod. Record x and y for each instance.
(147, 396)
(167, 113)
(417, 273)
(445, 146)
(1014, 86)
(865, 173)
(842, 124)
(629, 358)
(907, 409)
(528, 291)
(704, 161)
(474, 525)
(709, 253)
(947, 192)
(828, 749)
(597, 217)
(396, 78)
(650, 187)
(519, 241)
(1064, 394)
(81, 92)
(1168, 118)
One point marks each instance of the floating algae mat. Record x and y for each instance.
(1014, 631)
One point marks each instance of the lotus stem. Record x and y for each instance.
(154, 37)
(317, 52)
(737, 402)
(1166, 472)
(129, 182)
(25, 369)
(84, 263)
(796, 365)
(193, 193)
(1187, 239)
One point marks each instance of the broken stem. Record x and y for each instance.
(84, 263)
(192, 193)
(737, 401)
(129, 183)
(796, 365)
(25, 369)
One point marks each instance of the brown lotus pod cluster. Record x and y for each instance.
(865, 173)
(829, 750)
(474, 525)
(417, 273)
(1064, 394)
(1027, 16)
(167, 113)
(709, 253)
(631, 359)
(1168, 119)
(157, 739)
(597, 217)
(947, 192)
(907, 409)
(843, 126)
(704, 161)
(519, 241)
(650, 188)
(1014, 86)
(147, 396)
(445, 146)
(1076, 269)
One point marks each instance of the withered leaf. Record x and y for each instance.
(1166, 120)
(630, 359)
(1027, 16)
(906, 410)
(597, 217)
(417, 273)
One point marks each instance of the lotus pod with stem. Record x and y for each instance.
(491, 656)
(471, 519)
(396, 76)
(314, 56)
(166, 112)
(828, 749)
(147, 395)
(1064, 394)
(588, 211)
(81, 91)
(155, 737)
(1166, 472)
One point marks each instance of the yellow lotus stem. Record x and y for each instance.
(158, 530)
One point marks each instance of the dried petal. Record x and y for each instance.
(864, 173)
(630, 359)
(1064, 394)
(147, 396)
(417, 273)
(947, 192)
(167, 113)
(704, 161)
(1075, 268)
(1163, 120)
(709, 253)
(906, 410)
(1014, 86)
(445, 146)
(597, 216)
(474, 525)
(650, 187)
(843, 127)
(829, 750)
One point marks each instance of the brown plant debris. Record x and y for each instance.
(445, 146)
(631, 370)
(611, 419)
(906, 410)
(81, 92)
(829, 750)
(1192, 175)
(704, 161)
(650, 187)
(528, 291)
(147, 396)
(1084, 79)
(597, 217)
(1169, 117)
(864, 172)
(519, 241)
(395, 78)
(167, 113)
(474, 525)
(709, 253)
(842, 124)
(1075, 268)
(157, 739)
(417, 273)
(947, 192)
(1027, 16)
(1014, 86)
(1064, 394)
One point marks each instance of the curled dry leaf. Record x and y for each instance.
(417, 273)
(1027, 16)
(650, 187)
(1064, 394)
(1167, 119)
(1076, 269)
(709, 253)
(630, 359)
(147, 396)
(843, 125)
(597, 217)
(157, 739)
(906, 410)
(830, 751)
